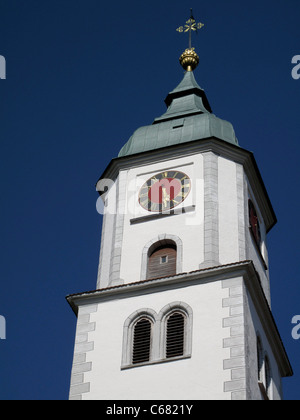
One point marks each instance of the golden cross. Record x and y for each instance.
(191, 25)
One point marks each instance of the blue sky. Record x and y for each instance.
(81, 77)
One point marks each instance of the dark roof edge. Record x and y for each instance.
(123, 286)
(193, 91)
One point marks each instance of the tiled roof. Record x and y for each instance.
(124, 286)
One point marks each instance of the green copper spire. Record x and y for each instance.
(186, 99)
(188, 117)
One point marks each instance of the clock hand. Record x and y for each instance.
(166, 197)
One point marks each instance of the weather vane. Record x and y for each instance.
(191, 25)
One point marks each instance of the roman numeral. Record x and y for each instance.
(144, 203)
(144, 194)
(154, 207)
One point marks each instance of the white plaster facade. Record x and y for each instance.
(229, 311)
(213, 230)
(221, 275)
(198, 377)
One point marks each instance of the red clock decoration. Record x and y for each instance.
(164, 191)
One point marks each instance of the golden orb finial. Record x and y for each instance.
(189, 60)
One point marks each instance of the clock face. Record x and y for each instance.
(164, 191)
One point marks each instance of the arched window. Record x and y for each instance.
(170, 263)
(142, 335)
(162, 261)
(260, 360)
(176, 320)
(264, 372)
(149, 337)
(254, 223)
(175, 336)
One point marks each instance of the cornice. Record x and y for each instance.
(222, 148)
(243, 269)
(131, 289)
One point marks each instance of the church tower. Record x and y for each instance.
(182, 307)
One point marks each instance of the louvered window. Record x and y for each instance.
(151, 337)
(260, 360)
(142, 341)
(175, 335)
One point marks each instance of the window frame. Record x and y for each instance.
(157, 247)
(139, 320)
(166, 343)
(162, 239)
(258, 242)
(254, 229)
(158, 334)
(264, 372)
(164, 315)
(268, 377)
(260, 360)
(128, 336)
(164, 262)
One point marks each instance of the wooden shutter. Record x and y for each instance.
(175, 335)
(162, 262)
(141, 341)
